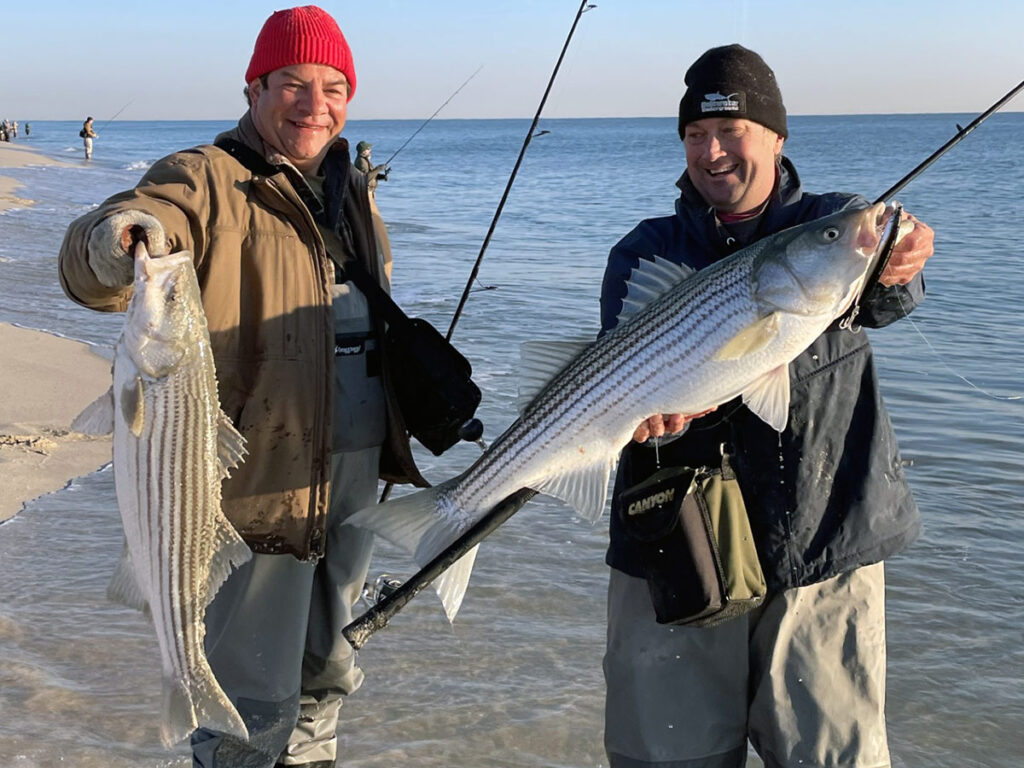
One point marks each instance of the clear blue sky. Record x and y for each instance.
(184, 59)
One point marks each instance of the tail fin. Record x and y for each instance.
(205, 705)
(423, 524)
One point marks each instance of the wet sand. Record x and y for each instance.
(46, 381)
(13, 155)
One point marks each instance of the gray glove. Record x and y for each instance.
(111, 243)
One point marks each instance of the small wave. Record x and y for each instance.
(138, 165)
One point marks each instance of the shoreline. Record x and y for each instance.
(47, 380)
(12, 155)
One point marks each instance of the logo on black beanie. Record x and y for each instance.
(732, 81)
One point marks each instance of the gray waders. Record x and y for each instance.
(273, 632)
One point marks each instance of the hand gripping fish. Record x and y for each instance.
(686, 342)
(172, 448)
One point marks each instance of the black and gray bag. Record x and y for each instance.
(698, 551)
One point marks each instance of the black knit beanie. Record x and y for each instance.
(732, 81)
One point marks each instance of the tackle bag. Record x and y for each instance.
(699, 558)
(433, 381)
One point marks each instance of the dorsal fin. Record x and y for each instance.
(650, 279)
(541, 361)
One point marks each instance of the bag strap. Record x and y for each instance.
(252, 160)
(352, 269)
(248, 157)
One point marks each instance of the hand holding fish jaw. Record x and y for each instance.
(912, 250)
(112, 242)
(665, 423)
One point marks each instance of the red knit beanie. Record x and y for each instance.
(304, 35)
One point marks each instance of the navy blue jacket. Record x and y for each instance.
(828, 494)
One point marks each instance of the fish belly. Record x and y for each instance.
(168, 488)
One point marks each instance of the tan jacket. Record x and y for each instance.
(265, 278)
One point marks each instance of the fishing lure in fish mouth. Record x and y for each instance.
(891, 232)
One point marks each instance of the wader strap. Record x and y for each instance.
(376, 295)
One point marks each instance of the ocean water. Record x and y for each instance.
(516, 682)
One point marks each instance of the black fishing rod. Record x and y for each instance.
(886, 253)
(961, 133)
(584, 7)
(378, 616)
(360, 630)
(436, 111)
(110, 120)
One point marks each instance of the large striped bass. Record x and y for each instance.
(685, 342)
(172, 448)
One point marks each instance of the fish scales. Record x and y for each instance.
(618, 358)
(696, 342)
(172, 448)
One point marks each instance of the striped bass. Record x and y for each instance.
(172, 448)
(685, 342)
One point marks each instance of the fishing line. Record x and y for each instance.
(947, 366)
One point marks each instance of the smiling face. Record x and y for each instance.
(300, 111)
(731, 162)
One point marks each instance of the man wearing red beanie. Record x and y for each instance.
(270, 212)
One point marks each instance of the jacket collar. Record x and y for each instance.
(786, 192)
(335, 169)
(702, 221)
(245, 132)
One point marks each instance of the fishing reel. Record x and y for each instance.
(383, 586)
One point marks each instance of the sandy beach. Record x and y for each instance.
(47, 381)
(14, 155)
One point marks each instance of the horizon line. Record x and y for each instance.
(454, 119)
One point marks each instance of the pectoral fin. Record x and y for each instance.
(768, 398)
(133, 406)
(755, 336)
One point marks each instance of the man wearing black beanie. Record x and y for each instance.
(802, 676)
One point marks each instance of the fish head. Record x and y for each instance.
(820, 267)
(161, 327)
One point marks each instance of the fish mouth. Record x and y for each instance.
(876, 240)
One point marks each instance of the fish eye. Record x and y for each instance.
(831, 233)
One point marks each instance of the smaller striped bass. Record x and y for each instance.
(686, 342)
(172, 448)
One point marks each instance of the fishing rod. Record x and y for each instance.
(584, 7)
(360, 630)
(883, 261)
(961, 133)
(110, 120)
(395, 154)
